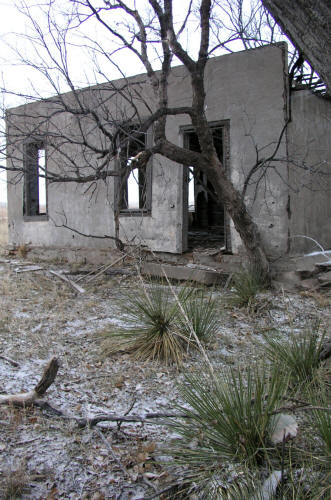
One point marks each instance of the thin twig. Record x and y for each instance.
(115, 457)
(10, 361)
(106, 267)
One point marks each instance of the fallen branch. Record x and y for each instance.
(111, 417)
(28, 398)
(10, 361)
(28, 269)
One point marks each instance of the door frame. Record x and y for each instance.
(183, 130)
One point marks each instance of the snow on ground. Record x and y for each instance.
(40, 317)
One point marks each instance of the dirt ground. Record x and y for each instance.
(44, 456)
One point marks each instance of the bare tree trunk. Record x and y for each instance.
(308, 24)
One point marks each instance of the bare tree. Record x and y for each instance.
(101, 135)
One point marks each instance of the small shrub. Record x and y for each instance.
(298, 356)
(157, 329)
(246, 284)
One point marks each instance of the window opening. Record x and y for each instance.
(135, 182)
(35, 186)
(206, 214)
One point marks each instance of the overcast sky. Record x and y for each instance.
(8, 24)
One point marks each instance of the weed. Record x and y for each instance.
(298, 356)
(320, 419)
(246, 284)
(14, 483)
(22, 250)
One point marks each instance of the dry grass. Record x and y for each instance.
(15, 482)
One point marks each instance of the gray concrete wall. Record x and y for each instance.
(247, 88)
(310, 172)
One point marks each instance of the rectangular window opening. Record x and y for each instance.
(35, 185)
(135, 183)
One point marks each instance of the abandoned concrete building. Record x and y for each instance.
(248, 104)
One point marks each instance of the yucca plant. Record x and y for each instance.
(307, 482)
(160, 325)
(230, 417)
(320, 419)
(246, 284)
(299, 356)
(202, 315)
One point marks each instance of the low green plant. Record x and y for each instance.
(320, 419)
(307, 482)
(298, 356)
(246, 284)
(202, 315)
(230, 417)
(160, 326)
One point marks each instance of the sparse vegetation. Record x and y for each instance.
(22, 250)
(41, 316)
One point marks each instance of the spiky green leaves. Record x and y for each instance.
(163, 325)
(299, 355)
(230, 415)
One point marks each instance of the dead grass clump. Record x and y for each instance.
(322, 300)
(23, 250)
(15, 482)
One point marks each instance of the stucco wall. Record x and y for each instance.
(247, 88)
(310, 172)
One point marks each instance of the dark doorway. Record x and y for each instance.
(206, 225)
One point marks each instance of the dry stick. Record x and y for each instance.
(115, 457)
(91, 272)
(11, 361)
(27, 398)
(106, 267)
(92, 421)
(189, 324)
(228, 281)
(67, 280)
(300, 408)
